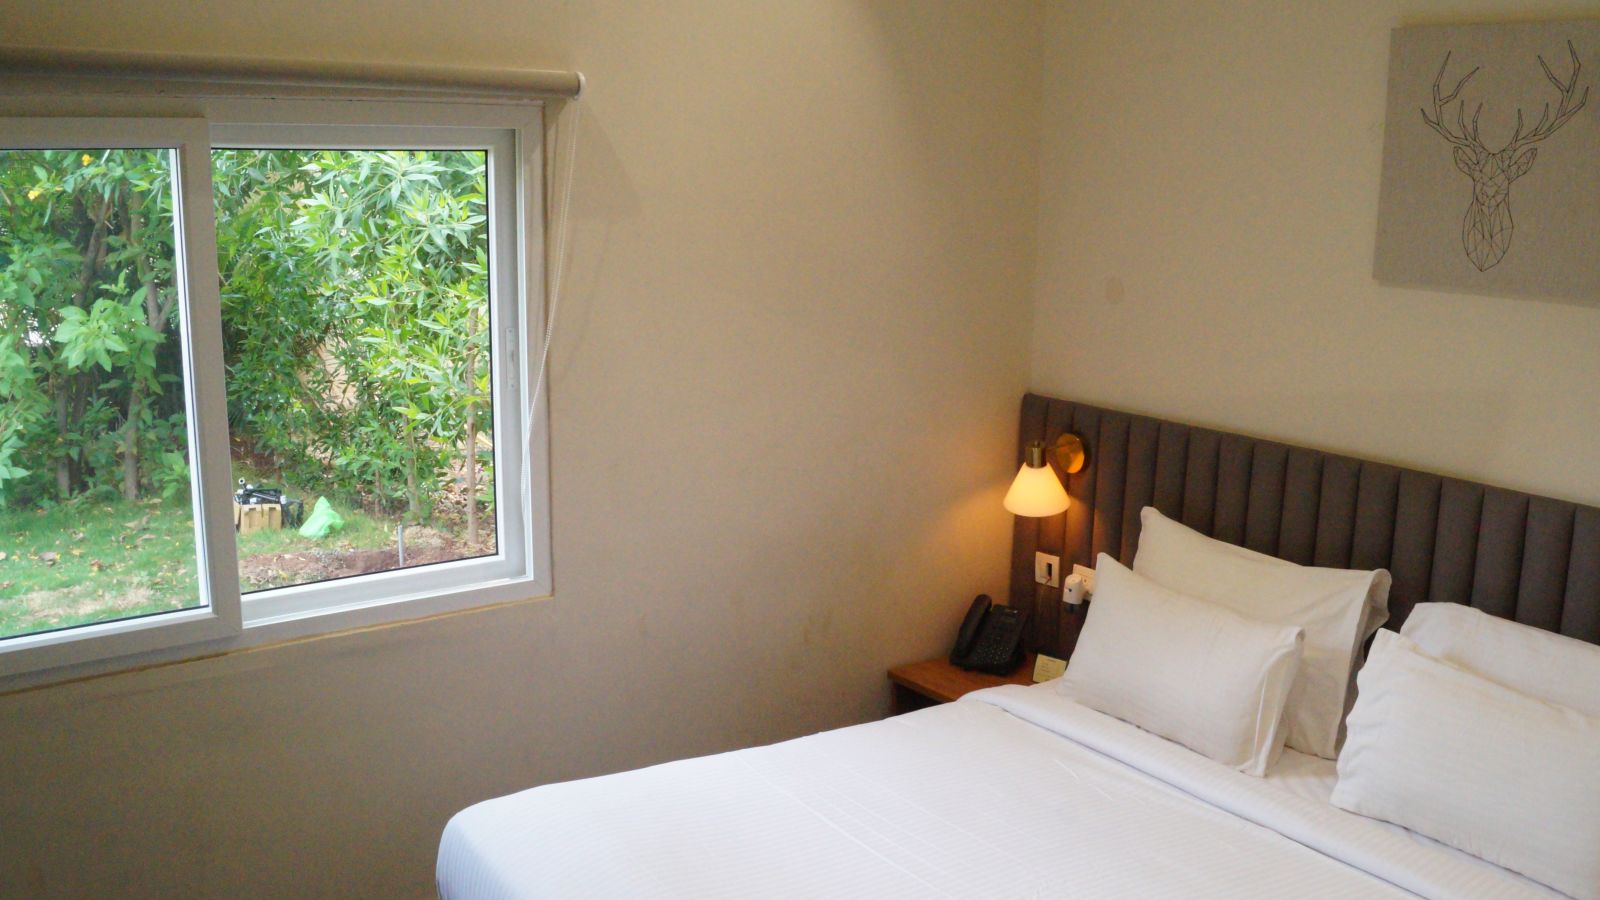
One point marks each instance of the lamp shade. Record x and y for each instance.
(1037, 492)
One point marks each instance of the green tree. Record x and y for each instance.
(355, 315)
(353, 285)
(86, 297)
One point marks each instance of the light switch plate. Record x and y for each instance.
(1047, 569)
(1047, 667)
(1088, 576)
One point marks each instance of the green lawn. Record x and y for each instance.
(88, 562)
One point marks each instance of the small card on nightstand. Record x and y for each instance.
(1048, 667)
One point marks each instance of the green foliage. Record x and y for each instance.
(354, 283)
(87, 302)
(355, 315)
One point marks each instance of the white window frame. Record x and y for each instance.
(512, 136)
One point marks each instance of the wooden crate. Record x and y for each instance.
(257, 516)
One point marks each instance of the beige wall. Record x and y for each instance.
(785, 395)
(1209, 198)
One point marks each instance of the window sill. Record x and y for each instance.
(328, 622)
(385, 611)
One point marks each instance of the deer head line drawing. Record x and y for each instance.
(1486, 230)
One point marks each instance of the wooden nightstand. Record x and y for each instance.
(920, 684)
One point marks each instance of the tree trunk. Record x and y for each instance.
(472, 430)
(59, 387)
(130, 443)
(69, 389)
(155, 315)
(413, 503)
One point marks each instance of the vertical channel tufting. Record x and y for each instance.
(1172, 459)
(1336, 511)
(1080, 485)
(1455, 548)
(1143, 432)
(1200, 482)
(1502, 526)
(1302, 492)
(1377, 512)
(1509, 553)
(1580, 616)
(1109, 484)
(1046, 618)
(1233, 488)
(1546, 550)
(1268, 468)
(1416, 526)
(1086, 425)
(1025, 529)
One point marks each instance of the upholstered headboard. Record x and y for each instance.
(1524, 557)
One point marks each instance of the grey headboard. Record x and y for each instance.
(1520, 556)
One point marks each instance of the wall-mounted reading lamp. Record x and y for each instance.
(1037, 491)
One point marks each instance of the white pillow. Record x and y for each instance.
(1506, 777)
(1191, 671)
(1539, 663)
(1338, 608)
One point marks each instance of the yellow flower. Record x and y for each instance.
(87, 159)
(34, 194)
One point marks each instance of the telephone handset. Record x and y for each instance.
(990, 639)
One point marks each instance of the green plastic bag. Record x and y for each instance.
(322, 522)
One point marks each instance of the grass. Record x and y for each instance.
(90, 562)
(95, 561)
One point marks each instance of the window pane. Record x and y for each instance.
(96, 521)
(355, 298)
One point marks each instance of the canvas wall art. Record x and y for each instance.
(1491, 160)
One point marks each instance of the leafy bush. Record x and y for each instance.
(355, 317)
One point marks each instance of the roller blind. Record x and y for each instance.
(180, 74)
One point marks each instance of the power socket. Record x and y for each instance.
(1047, 569)
(1088, 576)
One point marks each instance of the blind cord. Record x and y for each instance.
(558, 262)
(558, 259)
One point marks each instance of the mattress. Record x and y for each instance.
(1010, 792)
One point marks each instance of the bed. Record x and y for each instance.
(1043, 791)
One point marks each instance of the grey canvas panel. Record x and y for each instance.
(1535, 559)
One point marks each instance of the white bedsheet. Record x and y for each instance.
(1013, 792)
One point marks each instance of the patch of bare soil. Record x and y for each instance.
(423, 546)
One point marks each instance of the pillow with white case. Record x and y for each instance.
(1447, 753)
(1191, 671)
(1338, 608)
(1544, 664)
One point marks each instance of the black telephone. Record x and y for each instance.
(990, 639)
